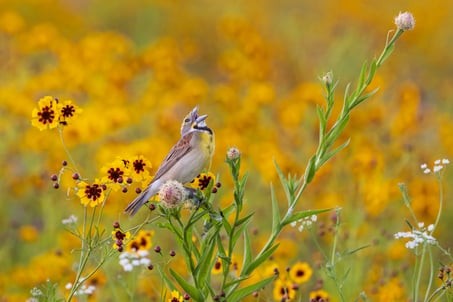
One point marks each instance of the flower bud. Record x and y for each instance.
(172, 193)
(405, 21)
(233, 153)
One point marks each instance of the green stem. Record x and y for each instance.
(66, 150)
(419, 274)
(431, 273)
(441, 199)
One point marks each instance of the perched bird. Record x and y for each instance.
(184, 162)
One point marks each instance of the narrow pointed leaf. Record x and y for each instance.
(241, 293)
(332, 153)
(259, 260)
(275, 211)
(193, 292)
(247, 250)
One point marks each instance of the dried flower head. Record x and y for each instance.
(405, 21)
(172, 193)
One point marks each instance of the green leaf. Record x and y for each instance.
(372, 72)
(346, 97)
(364, 97)
(283, 180)
(303, 214)
(275, 211)
(263, 256)
(322, 120)
(239, 294)
(362, 75)
(247, 250)
(310, 170)
(336, 130)
(203, 268)
(240, 229)
(194, 292)
(353, 251)
(332, 153)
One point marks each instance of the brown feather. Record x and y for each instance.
(179, 150)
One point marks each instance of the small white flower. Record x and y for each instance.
(314, 218)
(427, 171)
(70, 220)
(437, 168)
(430, 227)
(421, 224)
(423, 166)
(68, 286)
(445, 161)
(437, 161)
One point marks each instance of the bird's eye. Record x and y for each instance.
(187, 120)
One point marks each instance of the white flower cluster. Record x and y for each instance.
(130, 260)
(424, 235)
(304, 223)
(438, 165)
(83, 290)
(70, 220)
(35, 295)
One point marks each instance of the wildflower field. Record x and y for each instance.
(317, 191)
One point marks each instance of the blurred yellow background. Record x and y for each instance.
(137, 67)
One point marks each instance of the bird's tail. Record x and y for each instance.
(140, 200)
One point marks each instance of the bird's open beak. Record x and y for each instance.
(201, 118)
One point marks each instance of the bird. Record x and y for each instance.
(186, 159)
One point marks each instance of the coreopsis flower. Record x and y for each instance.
(319, 295)
(67, 112)
(46, 116)
(142, 241)
(202, 181)
(300, 272)
(90, 194)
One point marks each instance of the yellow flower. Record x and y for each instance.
(46, 116)
(176, 297)
(319, 295)
(115, 173)
(140, 242)
(28, 233)
(203, 180)
(300, 272)
(67, 112)
(283, 290)
(218, 267)
(92, 194)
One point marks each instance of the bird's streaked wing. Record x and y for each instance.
(181, 148)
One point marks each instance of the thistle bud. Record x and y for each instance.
(405, 21)
(172, 193)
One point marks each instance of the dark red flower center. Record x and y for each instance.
(67, 111)
(93, 192)
(204, 182)
(139, 166)
(47, 115)
(115, 174)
